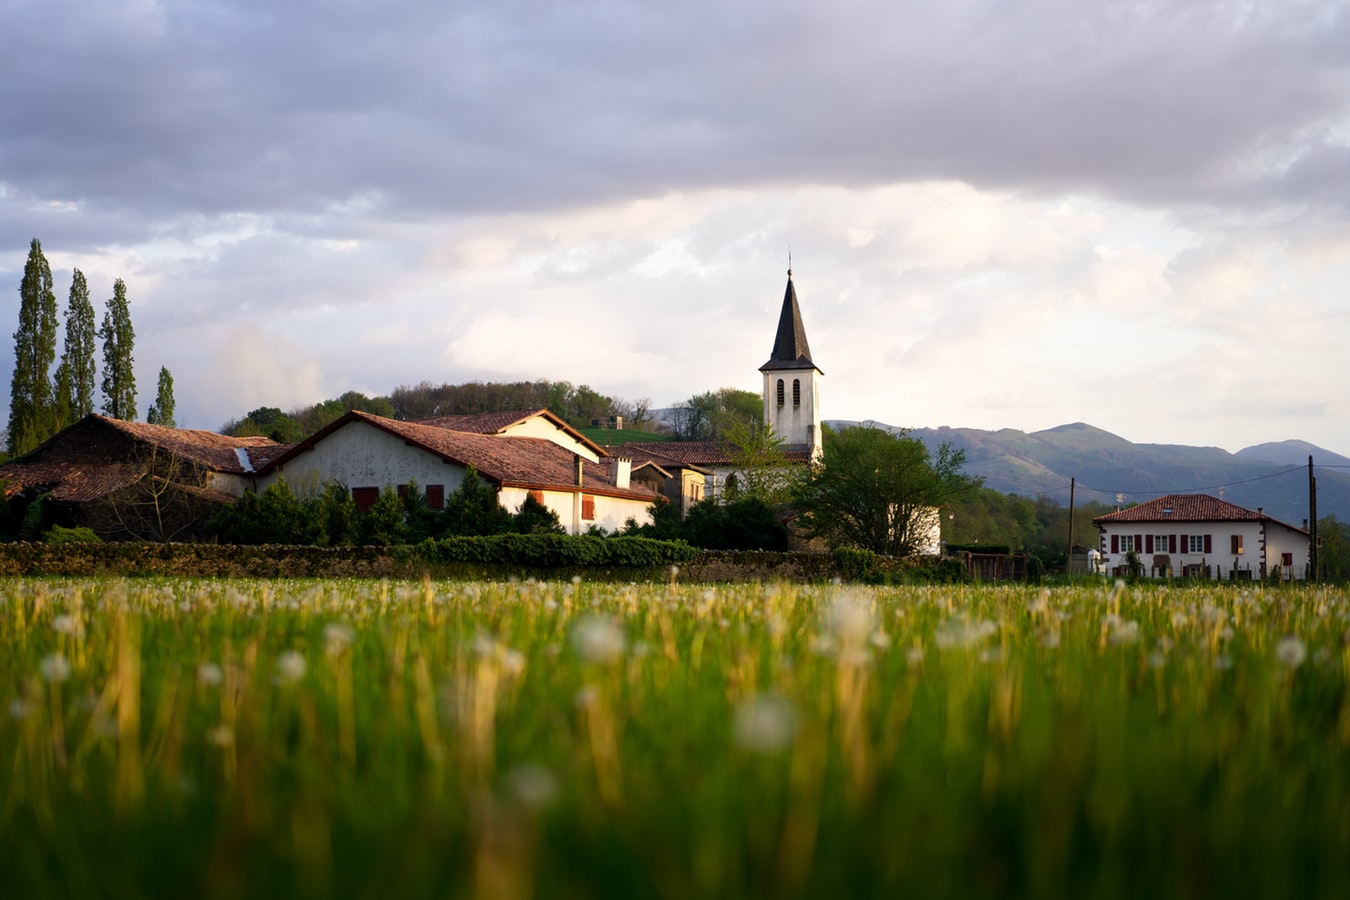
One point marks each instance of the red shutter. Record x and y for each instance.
(1209, 545)
(1115, 543)
(435, 496)
(588, 508)
(1138, 543)
(538, 496)
(1171, 543)
(1185, 544)
(365, 497)
(1148, 544)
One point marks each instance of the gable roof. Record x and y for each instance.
(1188, 508)
(521, 462)
(790, 349)
(219, 452)
(697, 453)
(501, 422)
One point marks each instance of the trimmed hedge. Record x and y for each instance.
(494, 557)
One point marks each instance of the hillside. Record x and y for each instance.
(1271, 476)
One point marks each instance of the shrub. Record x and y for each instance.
(79, 535)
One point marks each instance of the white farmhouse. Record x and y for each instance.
(1196, 535)
(519, 453)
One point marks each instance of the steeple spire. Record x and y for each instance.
(790, 349)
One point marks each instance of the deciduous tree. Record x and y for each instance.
(31, 398)
(161, 411)
(119, 339)
(876, 490)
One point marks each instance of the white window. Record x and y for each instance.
(1127, 543)
(1197, 543)
(1160, 544)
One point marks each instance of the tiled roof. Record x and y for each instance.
(207, 448)
(498, 422)
(70, 482)
(532, 463)
(1186, 508)
(695, 453)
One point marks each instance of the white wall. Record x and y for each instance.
(539, 427)
(360, 455)
(610, 512)
(1221, 558)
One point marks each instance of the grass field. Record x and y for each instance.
(179, 738)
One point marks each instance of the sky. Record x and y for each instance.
(999, 214)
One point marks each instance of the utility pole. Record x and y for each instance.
(1312, 522)
(1071, 484)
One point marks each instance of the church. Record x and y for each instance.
(791, 396)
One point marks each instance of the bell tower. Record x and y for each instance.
(792, 382)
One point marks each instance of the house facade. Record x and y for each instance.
(1200, 536)
(531, 455)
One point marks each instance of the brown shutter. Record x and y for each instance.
(435, 496)
(1148, 543)
(1138, 543)
(1171, 543)
(1185, 544)
(1115, 543)
(365, 498)
(1209, 545)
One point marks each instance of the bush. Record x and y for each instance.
(80, 535)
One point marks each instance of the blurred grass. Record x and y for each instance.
(169, 738)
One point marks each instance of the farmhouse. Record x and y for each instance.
(133, 481)
(1196, 535)
(518, 453)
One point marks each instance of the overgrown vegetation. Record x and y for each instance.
(174, 737)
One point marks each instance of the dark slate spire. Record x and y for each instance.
(790, 350)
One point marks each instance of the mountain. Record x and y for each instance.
(1273, 477)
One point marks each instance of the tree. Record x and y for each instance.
(75, 377)
(762, 468)
(534, 517)
(876, 490)
(161, 411)
(31, 407)
(119, 339)
(473, 508)
(744, 524)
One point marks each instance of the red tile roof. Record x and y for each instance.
(695, 453)
(218, 452)
(498, 422)
(70, 482)
(1186, 508)
(524, 462)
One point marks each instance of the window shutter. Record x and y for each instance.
(435, 496)
(1171, 543)
(1209, 545)
(365, 498)
(588, 508)
(1115, 543)
(1185, 544)
(538, 496)
(1148, 544)
(1139, 543)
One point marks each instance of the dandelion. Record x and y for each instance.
(220, 736)
(67, 625)
(337, 637)
(18, 708)
(764, 724)
(914, 657)
(1124, 633)
(54, 668)
(1290, 652)
(850, 618)
(290, 667)
(532, 784)
(209, 674)
(598, 640)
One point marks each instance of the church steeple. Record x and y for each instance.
(790, 348)
(792, 381)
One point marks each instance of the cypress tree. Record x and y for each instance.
(75, 376)
(31, 407)
(119, 338)
(161, 411)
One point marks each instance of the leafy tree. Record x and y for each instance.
(119, 339)
(76, 376)
(382, 524)
(534, 517)
(1333, 557)
(873, 489)
(31, 405)
(266, 421)
(161, 411)
(711, 415)
(473, 508)
(762, 468)
(748, 523)
(665, 524)
(336, 515)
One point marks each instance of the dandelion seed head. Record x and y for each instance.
(54, 668)
(337, 637)
(532, 784)
(209, 673)
(68, 625)
(598, 639)
(1290, 652)
(764, 724)
(290, 667)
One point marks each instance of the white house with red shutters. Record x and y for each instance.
(1199, 536)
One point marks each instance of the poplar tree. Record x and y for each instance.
(31, 412)
(119, 338)
(161, 411)
(75, 377)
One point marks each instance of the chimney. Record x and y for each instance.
(1260, 510)
(580, 464)
(623, 473)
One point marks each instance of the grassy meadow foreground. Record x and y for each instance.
(181, 738)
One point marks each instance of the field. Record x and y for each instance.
(181, 738)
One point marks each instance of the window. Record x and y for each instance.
(796, 392)
(1235, 544)
(780, 392)
(588, 508)
(435, 496)
(1127, 543)
(365, 498)
(1287, 560)
(1160, 544)
(1197, 544)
